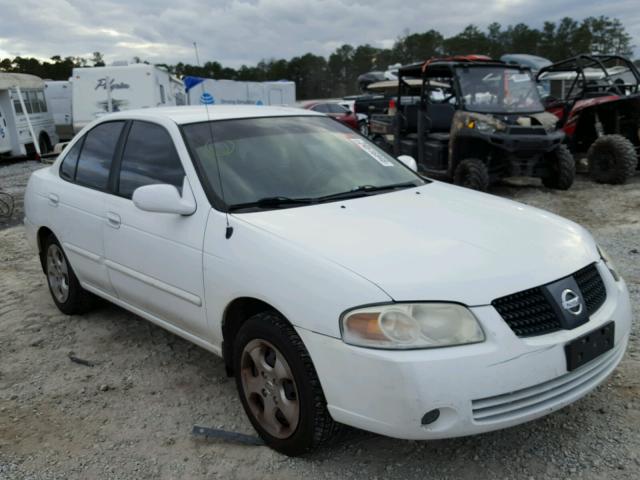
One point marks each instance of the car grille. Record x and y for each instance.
(529, 313)
(543, 396)
(592, 287)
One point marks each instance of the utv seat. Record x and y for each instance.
(440, 118)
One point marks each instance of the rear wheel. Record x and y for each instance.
(561, 169)
(279, 387)
(612, 159)
(67, 294)
(472, 173)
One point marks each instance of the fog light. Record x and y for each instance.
(430, 417)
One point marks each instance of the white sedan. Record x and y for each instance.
(339, 286)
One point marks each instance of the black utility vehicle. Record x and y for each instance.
(474, 121)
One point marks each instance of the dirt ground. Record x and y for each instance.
(130, 415)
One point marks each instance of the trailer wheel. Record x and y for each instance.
(472, 173)
(561, 169)
(612, 159)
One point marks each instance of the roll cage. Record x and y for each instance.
(584, 86)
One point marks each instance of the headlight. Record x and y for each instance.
(485, 123)
(411, 325)
(609, 263)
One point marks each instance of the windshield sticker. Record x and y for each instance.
(379, 157)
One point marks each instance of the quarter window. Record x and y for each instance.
(149, 158)
(68, 167)
(97, 153)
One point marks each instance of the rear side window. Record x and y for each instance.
(97, 153)
(335, 108)
(149, 157)
(68, 167)
(321, 107)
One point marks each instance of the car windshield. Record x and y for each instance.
(498, 90)
(290, 161)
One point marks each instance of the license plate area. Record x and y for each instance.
(589, 346)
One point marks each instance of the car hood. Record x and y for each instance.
(437, 242)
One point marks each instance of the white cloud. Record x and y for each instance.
(245, 31)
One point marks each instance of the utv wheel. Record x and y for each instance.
(612, 159)
(472, 173)
(561, 169)
(279, 387)
(67, 294)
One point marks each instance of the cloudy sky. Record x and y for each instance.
(234, 32)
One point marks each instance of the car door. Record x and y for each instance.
(155, 259)
(76, 202)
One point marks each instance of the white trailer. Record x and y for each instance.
(230, 92)
(26, 125)
(100, 90)
(59, 100)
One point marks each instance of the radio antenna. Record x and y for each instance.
(229, 229)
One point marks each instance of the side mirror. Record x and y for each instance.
(409, 162)
(164, 198)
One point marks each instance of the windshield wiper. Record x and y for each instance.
(271, 202)
(365, 190)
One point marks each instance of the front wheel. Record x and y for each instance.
(561, 169)
(472, 173)
(279, 387)
(612, 159)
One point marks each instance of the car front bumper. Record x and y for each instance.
(504, 381)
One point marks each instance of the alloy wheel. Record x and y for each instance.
(269, 388)
(58, 273)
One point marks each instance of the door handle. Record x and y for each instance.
(113, 219)
(53, 199)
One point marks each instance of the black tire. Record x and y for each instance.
(472, 173)
(612, 159)
(45, 145)
(77, 300)
(561, 169)
(315, 426)
(363, 127)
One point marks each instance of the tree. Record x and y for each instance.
(470, 41)
(97, 59)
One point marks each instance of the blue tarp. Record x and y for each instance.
(190, 82)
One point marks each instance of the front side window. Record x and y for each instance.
(312, 158)
(149, 157)
(97, 154)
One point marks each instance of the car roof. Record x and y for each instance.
(200, 113)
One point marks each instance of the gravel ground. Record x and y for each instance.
(130, 415)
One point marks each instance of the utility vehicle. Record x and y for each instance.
(597, 100)
(474, 120)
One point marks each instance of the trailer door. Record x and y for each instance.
(5, 140)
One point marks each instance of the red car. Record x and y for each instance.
(338, 112)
